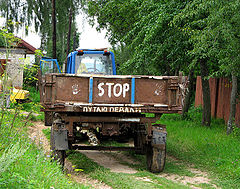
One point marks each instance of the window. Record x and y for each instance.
(93, 63)
(48, 66)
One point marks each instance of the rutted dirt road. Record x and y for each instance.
(114, 160)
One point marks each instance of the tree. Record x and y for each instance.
(143, 28)
(37, 12)
(193, 20)
(118, 17)
(232, 104)
(68, 36)
(54, 35)
(189, 94)
(213, 28)
(170, 36)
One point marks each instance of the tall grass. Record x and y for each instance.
(208, 148)
(22, 164)
(31, 105)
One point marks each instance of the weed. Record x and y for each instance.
(208, 148)
(119, 180)
(22, 164)
(47, 133)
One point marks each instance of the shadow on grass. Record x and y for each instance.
(82, 162)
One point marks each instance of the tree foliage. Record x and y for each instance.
(213, 30)
(156, 46)
(38, 13)
(166, 36)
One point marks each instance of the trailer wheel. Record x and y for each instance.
(58, 155)
(155, 158)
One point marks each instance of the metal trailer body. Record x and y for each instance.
(110, 106)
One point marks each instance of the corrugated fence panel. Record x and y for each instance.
(198, 96)
(213, 92)
(220, 91)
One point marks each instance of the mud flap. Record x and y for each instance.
(60, 139)
(156, 150)
(159, 137)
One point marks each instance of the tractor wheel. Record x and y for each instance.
(58, 155)
(155, 158)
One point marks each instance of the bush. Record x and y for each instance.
(30, 76)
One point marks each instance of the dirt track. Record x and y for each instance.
(112, 160)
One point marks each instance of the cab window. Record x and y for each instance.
(48, 66)
(93, 63)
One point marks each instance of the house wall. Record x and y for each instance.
(14, 67)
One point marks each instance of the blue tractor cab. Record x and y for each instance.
(86, 61)
(90, 61)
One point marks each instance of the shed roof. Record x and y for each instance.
(26, 45)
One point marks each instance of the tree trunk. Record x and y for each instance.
(74, 41)
(54, 35)
(68, 37)
(187, 100)
(232, 104)
(206, 116)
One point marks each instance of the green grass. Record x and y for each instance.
(32, 106)
(47, 133)
(89, 167)
(208, 148)
(22, 164)
(119, 180)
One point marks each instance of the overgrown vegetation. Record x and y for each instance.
(120, 180)
(22, 164)
(209, 149)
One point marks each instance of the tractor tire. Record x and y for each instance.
(155, 158)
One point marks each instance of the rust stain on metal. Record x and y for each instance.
(65, 92)
(74, 89)
(151, 91)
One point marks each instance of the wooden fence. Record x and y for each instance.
(220, 91)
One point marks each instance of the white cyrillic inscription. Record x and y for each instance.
(112, 109)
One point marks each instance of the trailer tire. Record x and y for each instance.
(155, 158)
(57, 155)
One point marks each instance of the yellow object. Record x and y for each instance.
(18, 94)
(82, 69)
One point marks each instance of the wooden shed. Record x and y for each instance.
(16, 60)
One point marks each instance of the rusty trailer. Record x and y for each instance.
(110, 106)
(99, 106)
